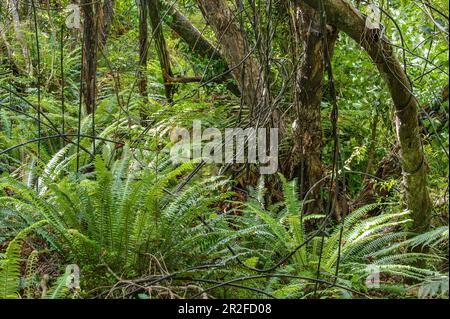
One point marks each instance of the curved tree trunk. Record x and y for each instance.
(348, 19)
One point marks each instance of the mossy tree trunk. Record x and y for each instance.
(347, 18)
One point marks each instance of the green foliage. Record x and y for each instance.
(10, 264)
(433, 287)
(359, 244)
(120, 217)
(59, 290)
(112, 208)
(30, 274)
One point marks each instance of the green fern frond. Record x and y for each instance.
(10, 267)
(30, 274)
(59, 289)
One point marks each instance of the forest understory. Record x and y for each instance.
(224, 149)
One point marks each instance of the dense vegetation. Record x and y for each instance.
(358, 205)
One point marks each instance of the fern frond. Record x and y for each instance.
(10, 267)
(59, 289)
(30, 274)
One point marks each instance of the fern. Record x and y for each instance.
(10, 266)
(121, 216)
(434, 286)
(30, 274)
(59, 289)
(364, 240)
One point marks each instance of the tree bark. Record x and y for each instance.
(190, 34)
(14, 7)
(90, 44)
(143, 49)
(105, 21)
(199, 44)
(348, 19)
(7, 45)
(308, 92)
(305, 160)
(161, 46)
(97, 21)
(244, 67)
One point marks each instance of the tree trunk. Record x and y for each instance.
(105, 21)
(348, 19)
(161, 46)
(14, 7)
(143, 49)
(97, 20)
(198, 44)
(7, 45)
(244, 67)
(305, 159)
(90, 43)
(190, 34)
(308, 89)
(372, 145)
